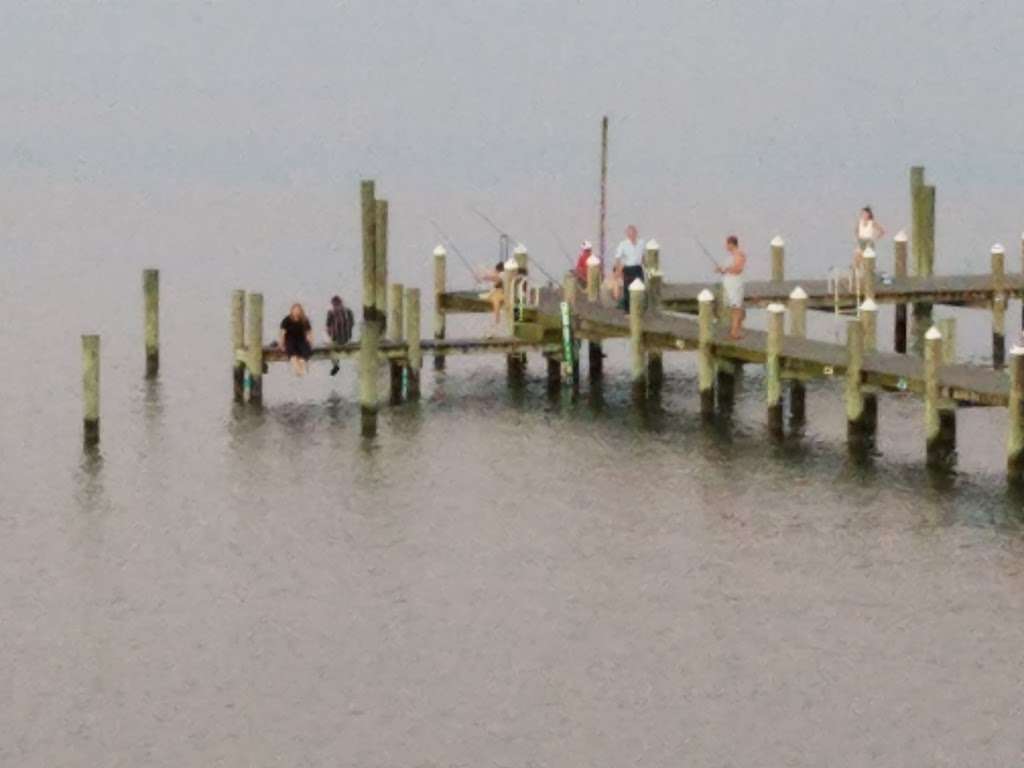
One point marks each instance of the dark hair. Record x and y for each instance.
(335, 300)
(869, 212)
(499, 267)
(732, 240)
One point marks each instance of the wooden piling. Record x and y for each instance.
(998, 306)
(923, 244)
(380, 246)
(947, 327)
(655, 362)
(940, 442)
(856, 426)
(440, 286)
(652, 259)
(778, 248)
(705, 359)
(1015, 418)
(868, 272)
(773, 366)
(369, 221)
(151, 294)
(514, 361)
(91, 389)
(1022, 270)
(798, 328)
(869, 333)
(593, 279)
(395, 329)
(947, 406)
(522, 257)
(369, 345)
(254, 346)
(900, 270)
(637, 301)
(414, 361)
(554, 379)
(917, 220)
(238, 343)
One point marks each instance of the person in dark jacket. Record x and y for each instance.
(339, 327)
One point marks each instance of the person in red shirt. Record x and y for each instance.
(586, 251)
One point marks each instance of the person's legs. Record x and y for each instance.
(497, 299)
(737, 315)
(295, 360)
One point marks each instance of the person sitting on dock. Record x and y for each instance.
(339, 327)
(629, 262)
(732, 286)
(297, 338)
(586, 251)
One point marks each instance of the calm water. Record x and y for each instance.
(498, 579)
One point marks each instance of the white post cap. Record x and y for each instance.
(933, 334)
(998, 248)
(775, 308)
(512, 265)
(1017, 349)
(440, 251)
(869, 253)
(637, 285)
(652, 245)
(705, 295)
(868, 305)
(900, 237)
(798, 294)
(520, 249)
(778, 242)
(593, 261)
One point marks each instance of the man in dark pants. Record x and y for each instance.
(629, 262)
(339, 327)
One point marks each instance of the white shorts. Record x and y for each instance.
(732, 288)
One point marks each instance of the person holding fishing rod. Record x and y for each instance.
(732, 286)
(629, 263)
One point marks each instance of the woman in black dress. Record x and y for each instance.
(297, 338)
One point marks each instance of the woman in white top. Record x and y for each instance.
(868, 230)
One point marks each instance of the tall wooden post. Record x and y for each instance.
(522, 257)
(369, 350)
(947, 327)
(798, 328)
(655, 363)
(570, 359)
(254, 346)
(91, 389)
(440, 286)
(899, 270)
(923, 244)
(917, 222)
(998, 306)
(380, 246)
(395, 328)
(1015, 414)
(939, 442)
(947, 406)
(412, 337)
(778, 246)
(238, 343)
(594, 350)
(869, 332)
(652, 256)
(868, 262)
(151, 294)
(638, 366)
(773, 366)
(705, 359)
(856, 427)
(369, 221)
(1022, 270)
(514, 361)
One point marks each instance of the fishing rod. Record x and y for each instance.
(561, 245)
(503, 233)
(707, 253)
(455, 250)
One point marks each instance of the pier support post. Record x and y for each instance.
(637, 300)
(151, 294)
(594, 350)
(238, 343)
(705, 360)
(440, 280)
(998, 306)
(91, 390)
(899, 270)
(515, 362)
(369, 223)
(947, 406)
(414, 359)
(395, 328)
(380, 247)
(923, 244)
(773, 367)
(1015, 414)
(856, 425)
(868, 263)
(522, 258)
(655, 362)
(254, 346)
(369, 349)
(798, 328)
(1022, 270)
(652, 257)
(554, 366)
(778, 246)
(940, 434)
(869, 331)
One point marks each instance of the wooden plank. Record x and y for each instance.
(392, 350)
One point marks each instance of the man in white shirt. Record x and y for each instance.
(629, 262)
